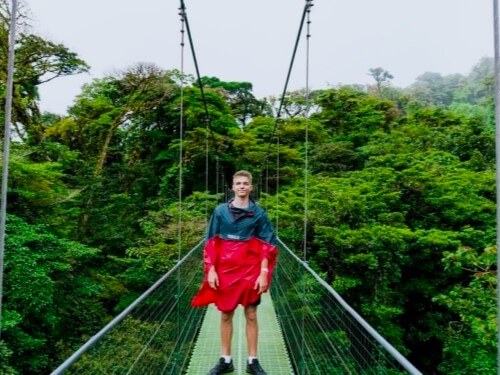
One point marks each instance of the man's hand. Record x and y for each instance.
(262, 283)
(212, 278)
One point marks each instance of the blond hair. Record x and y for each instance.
(243, 173)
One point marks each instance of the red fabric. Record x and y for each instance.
(237, 264)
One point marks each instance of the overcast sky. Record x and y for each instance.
(252, 40)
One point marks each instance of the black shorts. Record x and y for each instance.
(256, 303)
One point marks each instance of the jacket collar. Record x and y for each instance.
(241, 212)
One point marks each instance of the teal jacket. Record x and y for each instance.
(233, 223)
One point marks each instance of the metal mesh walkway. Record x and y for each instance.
(271, 351)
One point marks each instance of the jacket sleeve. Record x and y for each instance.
(267, 251)
(213, 228)
(270, 252)
(210, 254)
(210, 251)
(265, 230)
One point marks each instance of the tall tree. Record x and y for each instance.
(435, 89)
(381, 76)
(37, 61)
(244, 106)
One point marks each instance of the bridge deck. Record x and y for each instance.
(271, 352)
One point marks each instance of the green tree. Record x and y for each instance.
(47, 280)
(379, 232)
(433, 88)
(471, 340)
(351, 115)
(381, 76)
(118, 126)
(244, 106)
(37, 61)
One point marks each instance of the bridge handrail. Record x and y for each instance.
(393, 351)
(76, 355)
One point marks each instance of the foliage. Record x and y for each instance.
(5, 354)
(401, 194)
(471, 340)
(46, 280)
(380, 229)
(244, 106)
(382, 77)
(37, 61)
(351, 115)
(160, 249)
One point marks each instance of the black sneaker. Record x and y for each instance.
(222, 367)
(255, 368)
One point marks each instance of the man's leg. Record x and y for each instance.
(225, 364)
(253, 365)
(252, 329)
(226, 332)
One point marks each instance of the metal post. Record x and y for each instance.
(277, 183)
(181, 166)
(6, 144)
(497, 162)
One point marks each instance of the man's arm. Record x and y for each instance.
(262, 283)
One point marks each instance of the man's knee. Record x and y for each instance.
(227, 316)
(251, 313)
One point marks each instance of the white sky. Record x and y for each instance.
(252, 40)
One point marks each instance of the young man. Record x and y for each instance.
(239, 257)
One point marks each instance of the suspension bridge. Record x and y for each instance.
(305, 326)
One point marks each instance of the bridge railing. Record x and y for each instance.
(154, 335)
(323, 334)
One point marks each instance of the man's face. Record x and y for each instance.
(242, 186)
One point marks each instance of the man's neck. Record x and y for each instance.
(241, 202)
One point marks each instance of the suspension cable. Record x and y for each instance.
(6, 143)
(206, 165)
(306, 9)
(181, 133)
(181, 165)
(306, 146)
(306, 168)
(208, 122)
(497, 147)
(283, 94)
(276, 226)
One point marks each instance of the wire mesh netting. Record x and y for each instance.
(157, 333)
(322, 337)
(157, 336)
